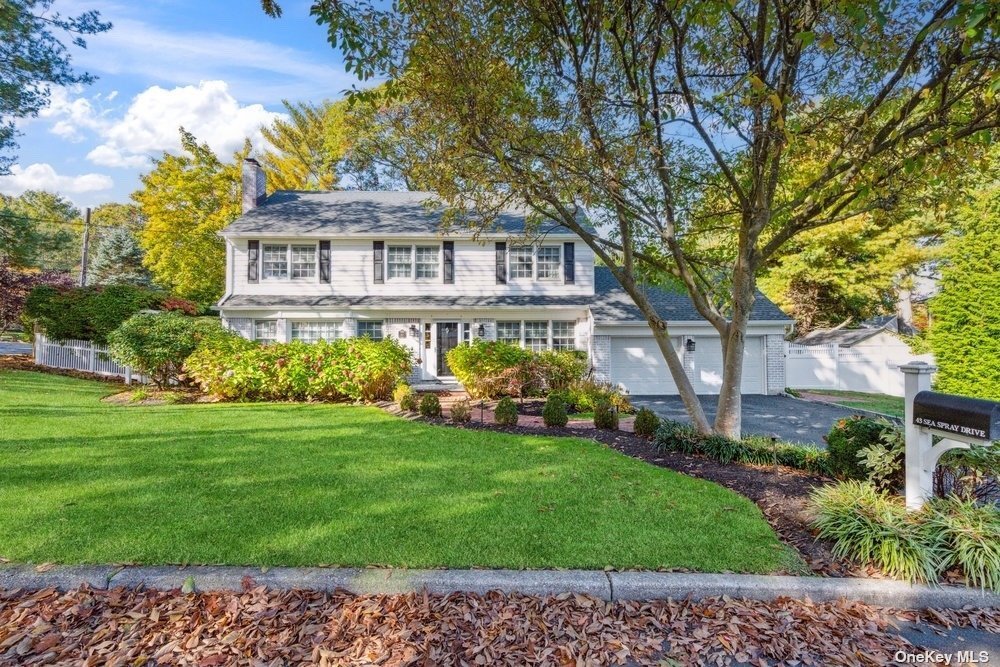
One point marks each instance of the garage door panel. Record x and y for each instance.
(638, 365)
(705, 365)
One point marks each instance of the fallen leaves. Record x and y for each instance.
(265, 627)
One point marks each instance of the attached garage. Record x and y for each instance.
(637, 365)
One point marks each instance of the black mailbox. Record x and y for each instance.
(968, 417)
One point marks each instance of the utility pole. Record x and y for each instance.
(86, 249)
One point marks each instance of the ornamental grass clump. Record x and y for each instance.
(874, 528)
(970, 534)
(505, 414)
(675, 436)
(430, 406)
(554, 413)
(646, 423)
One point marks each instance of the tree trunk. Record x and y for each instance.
(728, 414)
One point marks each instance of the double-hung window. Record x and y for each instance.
(275, 261)
(509, 332)
(521, 262)
(265, 331)
(548, 262)
(310, 332)
(563, 335)
(400, 261)
(303, 261)
(536, 336)
(427, 261)
(370, 328)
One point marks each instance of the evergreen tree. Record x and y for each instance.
(118, 259)
(965, 315)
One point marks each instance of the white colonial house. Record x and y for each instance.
(324, 265)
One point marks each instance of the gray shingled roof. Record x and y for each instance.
(613, 304)
(843, 337)
(356, 212)
(610, 303)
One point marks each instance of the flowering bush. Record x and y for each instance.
(156, 344)
(357, 369)
(488, 369)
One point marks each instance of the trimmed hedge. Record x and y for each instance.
(646, 423)
(554, 413)
(358, 369)
(674, 436)
(505, 412)
(87, 313)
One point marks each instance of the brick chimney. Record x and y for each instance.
(254, 185)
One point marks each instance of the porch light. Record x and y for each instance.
(481, 331)
(689, 346)
(414, 330)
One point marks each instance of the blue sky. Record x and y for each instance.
(220, 68)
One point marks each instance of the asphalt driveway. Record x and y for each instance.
(790, 419)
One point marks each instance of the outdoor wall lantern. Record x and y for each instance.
(689, 346)
(414, 330)
(481, 331)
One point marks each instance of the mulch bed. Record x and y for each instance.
(267, 627)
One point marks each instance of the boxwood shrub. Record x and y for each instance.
(554, 413)
(646, 423)
(430, 406)
(358, 369)
(605, 415)
(505, 413)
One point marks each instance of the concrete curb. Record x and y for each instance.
(602, 585)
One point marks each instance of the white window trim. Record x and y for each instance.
(288, 262)
(549, 342)
(440, 268)
(335, 324)
(277, 337)
(413, 263)
(534, 265)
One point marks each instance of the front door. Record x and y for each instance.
(447, 338)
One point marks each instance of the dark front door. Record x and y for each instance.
(447, 339)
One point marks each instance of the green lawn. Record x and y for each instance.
(887, 405)
(83, 481)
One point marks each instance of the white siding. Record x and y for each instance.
(352, 273)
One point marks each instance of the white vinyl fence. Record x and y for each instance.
(869, 369)
(80, 355)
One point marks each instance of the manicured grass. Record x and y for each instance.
(887, 405)
(587, 416)
(83, 481)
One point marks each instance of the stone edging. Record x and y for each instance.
(599, 584)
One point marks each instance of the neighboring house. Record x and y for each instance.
(312, 265)
(866, 359)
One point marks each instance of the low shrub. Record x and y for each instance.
(505, 412)
(87, 313)
(847, 438)
(358, 369)
(554, 413)
(404, 396)
(480, 365)
(646, 423)
(874, 528)
(970, 535)
(675, 436)
(883, 461)
(972, 474)
(461, 411)
(430, 406)
(561, 368)
(586, 393)
(605, 416)
(158, 344)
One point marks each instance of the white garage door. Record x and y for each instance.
(636, 364)
(705, 365)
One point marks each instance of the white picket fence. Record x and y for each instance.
(80, 355)
(868, 369)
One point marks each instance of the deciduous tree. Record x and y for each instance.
(186, 200)
(673, 123)
(41, 230)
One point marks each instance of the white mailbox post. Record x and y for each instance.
(958, 421)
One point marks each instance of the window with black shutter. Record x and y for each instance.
(449, 261)
(569, 263)
(253, 261)
(501, 263)
(324, 261)
(378, 260)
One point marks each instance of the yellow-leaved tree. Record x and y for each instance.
(186, 200)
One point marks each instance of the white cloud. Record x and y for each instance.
(41, 176)
(70, 116)
(150, 125)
